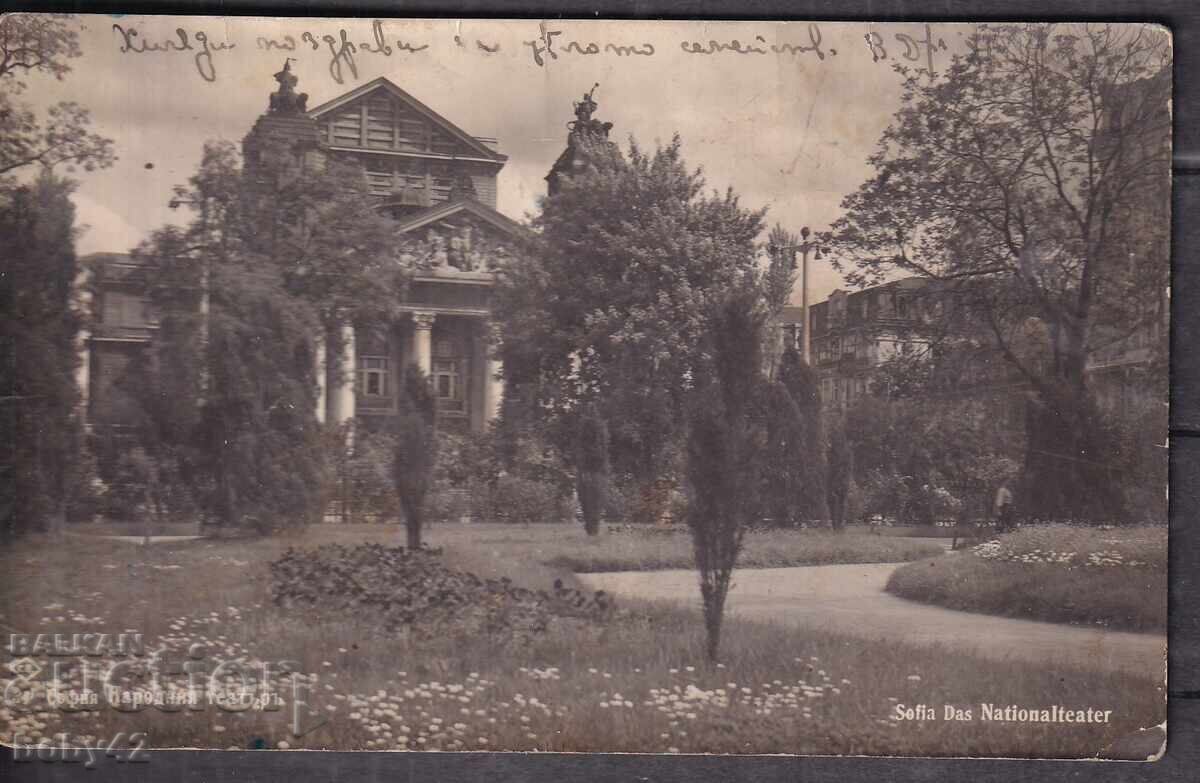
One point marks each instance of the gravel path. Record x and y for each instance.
(850, 599)
(140, 539)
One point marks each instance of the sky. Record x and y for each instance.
(788, 125)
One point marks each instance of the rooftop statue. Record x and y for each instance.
(286, 100)
(583, 122)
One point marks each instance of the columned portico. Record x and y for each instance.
(82, 305)
(319, 361)
(83, 371)
(341, 378)
(439, 183)
(422, 341)
(493, 389)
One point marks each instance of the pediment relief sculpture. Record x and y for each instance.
(454, 248)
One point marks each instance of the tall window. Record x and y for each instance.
(121, 308)
(448, 383)
(373, 376)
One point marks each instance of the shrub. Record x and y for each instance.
(618, 503)
(400, 588)
(519, 500)
(448, 504)
(465, 459)
(365, 476)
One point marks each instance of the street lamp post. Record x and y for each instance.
(805, 247)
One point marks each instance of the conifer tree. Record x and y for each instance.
(726, 448)
(415, 452)
(592, 468)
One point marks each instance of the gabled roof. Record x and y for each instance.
(386, 85)
(470, 206)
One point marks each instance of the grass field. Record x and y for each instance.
(1114, 578)
(654, 551)
(639, 683)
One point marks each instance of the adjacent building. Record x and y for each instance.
(854, 332)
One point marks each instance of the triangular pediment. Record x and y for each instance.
(381, 117)
(460, 237)
(456, 212)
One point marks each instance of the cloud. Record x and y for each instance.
(103, 229)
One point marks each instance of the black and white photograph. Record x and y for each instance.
(582, 386)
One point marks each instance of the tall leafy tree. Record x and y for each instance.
(1032, 177)
(273, 256)
(43, 44)
(39, 315)
(38, 325)
(612, 305)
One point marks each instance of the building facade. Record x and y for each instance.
(439, 185)
(853, 332)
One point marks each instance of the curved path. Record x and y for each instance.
(850, 599)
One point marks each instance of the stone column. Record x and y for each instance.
(422, 345)
(82, 305)
(341, 379)
(493, 389)
(83, 372)
(322, 370)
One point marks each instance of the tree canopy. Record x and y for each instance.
(613, 304)
(1032, 180)
(39, 310)
(280, 252)
(38, 323)
(43, 44)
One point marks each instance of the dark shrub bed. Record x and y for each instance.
(411, 590)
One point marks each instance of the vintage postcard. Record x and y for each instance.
(583, 386)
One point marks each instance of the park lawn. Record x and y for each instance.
(1116, 578)
(653, 550)
(639, 683)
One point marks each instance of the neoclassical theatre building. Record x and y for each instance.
(439, 183)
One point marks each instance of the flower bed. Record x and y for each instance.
(1059, 573)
